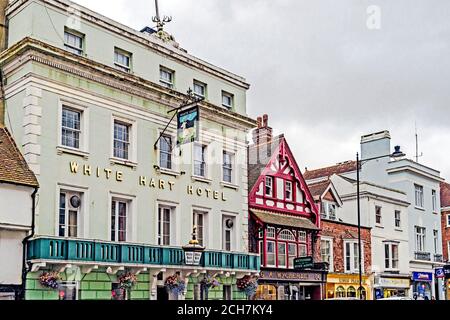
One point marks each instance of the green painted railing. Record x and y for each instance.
(106, 252)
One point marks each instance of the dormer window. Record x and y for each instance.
(269, 186)
(328, 210)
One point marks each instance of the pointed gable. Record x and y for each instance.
(275, 161)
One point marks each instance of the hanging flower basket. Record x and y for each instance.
(175, 285)
(49, 280)
(209, 282)
(127, 280)
(249, 285)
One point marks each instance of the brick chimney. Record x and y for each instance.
(263, 134)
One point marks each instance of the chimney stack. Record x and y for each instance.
(263, 134)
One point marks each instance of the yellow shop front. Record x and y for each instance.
(346, 286)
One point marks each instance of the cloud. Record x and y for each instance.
(322, 76)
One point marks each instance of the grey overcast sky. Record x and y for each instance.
(322, 69)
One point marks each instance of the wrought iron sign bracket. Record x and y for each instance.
(189, 101)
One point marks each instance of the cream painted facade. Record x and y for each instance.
(43, 79)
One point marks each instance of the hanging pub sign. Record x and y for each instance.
(188, 126)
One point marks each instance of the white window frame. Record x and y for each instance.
(274, 253)
(271, 179)
(419, 196)
(83, 220)
(119, 65)
(291, 191)
(448, 219)
(448, 250)
(422, 243)
(205, 159)
(434, 201)
(132, 147)
(399, 219)
(164, 82)
(172, 154)
(232, 168)
(160, 225)
(195, 213)
(80, 212)
(231, 97)
(379, 215)
(353, 268)
(200, 84)
(128, 204)
(83, 150)
(70, 48)
(436, 241)
(330, 241)
(233, 230)
(390, 258)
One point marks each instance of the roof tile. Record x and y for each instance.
(14, 169)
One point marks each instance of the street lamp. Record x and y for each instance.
(396, 154)
(193, 251)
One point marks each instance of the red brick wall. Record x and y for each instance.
(445, 234)
(341, 232)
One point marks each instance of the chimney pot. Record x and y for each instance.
(265, 121)
(259, 121)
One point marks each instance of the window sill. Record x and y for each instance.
(229, 185)
(419, 208)
(379, 226)
(398, 229)
(61, 150)
(122, 162)
(201, 179)
(169, 172)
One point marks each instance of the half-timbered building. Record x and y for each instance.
(284, 221)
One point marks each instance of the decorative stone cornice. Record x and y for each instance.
(151, 42)
(33, 50)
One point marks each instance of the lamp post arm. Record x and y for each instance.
(362, 161)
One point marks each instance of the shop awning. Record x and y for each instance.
(278, 219)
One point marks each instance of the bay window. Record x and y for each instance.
(270, 254)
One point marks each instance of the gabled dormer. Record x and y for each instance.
(275, 180)
(326, 198)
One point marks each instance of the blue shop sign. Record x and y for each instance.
(439, 273)
(422, 276)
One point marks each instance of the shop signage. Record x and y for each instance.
(422, 276)
(447, 271)
(439, 273)
(303, 263)
(292, 276)
(394, 283)
(188, 128)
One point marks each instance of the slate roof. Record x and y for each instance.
(340, 168)
(284, 220)
(257, 161)
(13, 167)
(445, 195)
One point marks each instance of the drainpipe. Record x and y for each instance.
(25, 268)
(3, 46)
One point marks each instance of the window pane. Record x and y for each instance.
(62, 214)
(166, 152)
(71, 128)
(73, 224)
(282, 255)
(121, 140)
